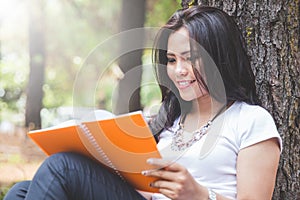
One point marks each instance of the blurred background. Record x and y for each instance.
(44, 44)
(57, 55)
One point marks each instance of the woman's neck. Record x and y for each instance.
(202, 106)
(203, 110)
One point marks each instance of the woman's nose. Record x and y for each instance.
(181, 69)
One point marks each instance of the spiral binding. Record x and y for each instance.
(94, 143)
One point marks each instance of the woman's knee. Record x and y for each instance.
(59, 164)
(18, 191)
(64, 160)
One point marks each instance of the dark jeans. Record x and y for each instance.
(71, 176)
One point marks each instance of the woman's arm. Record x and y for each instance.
(256, 173)
(256, 170)
(174, 181)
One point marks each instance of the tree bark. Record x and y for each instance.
(37, 64)
(271, 29)
(132, 16)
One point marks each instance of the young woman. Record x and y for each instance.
(239, 158)
(221, 143)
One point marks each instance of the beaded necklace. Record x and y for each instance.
(178, 143)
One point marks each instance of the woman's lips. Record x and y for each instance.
(185, 83)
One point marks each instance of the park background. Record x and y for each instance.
(44, 44)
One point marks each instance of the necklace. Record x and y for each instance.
(178, 142)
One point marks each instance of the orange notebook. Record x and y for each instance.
(122, 143)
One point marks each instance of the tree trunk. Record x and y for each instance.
(271, 29)
(132, 16)
(37, 64)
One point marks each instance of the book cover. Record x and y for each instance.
(122, 143)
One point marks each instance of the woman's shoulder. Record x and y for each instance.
(245, 117)
(245, 110)
(253, 124)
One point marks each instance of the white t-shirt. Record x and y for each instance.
(212, 160)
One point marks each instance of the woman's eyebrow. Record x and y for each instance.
(182, 53)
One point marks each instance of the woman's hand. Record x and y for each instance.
(174, 181)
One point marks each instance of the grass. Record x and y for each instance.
(19, 160)
(3, 191)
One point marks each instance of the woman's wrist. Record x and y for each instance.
(207, 193)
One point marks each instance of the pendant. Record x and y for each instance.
(178, 143)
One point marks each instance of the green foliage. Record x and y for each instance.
(12, 87)
(3, 191)
(72, 30)
(150, 93)
(159, 11)
(82, 26)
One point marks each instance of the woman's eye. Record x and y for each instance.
(171, 60)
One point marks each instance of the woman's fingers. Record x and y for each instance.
(166, 171)
(160, 173)
(167, 165)
(173, 180)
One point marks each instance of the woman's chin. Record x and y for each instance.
(192, 97)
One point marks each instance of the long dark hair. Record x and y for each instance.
(217, 33)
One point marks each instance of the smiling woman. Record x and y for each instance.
(239, 132)
(179, 66)
(196, 127)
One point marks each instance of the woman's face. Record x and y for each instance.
(179, 66)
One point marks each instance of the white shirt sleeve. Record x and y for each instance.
(256, 125)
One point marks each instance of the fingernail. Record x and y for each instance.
(150, 161)
(144, 173)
